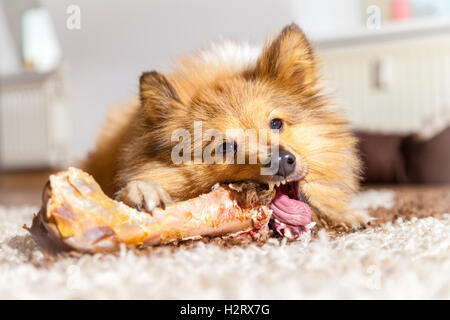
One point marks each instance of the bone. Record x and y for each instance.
(77, 215)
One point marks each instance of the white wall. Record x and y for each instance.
(9, 57)
(120, 39)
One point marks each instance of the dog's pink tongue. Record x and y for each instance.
(290, 216)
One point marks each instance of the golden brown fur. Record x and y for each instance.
(283, 83)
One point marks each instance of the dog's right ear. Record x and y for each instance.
(157, 94)
(288, 59)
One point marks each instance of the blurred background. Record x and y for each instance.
(64, 63)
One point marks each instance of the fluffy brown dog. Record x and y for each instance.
(278, 90)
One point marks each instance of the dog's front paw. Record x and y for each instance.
(350, 219)
(356, 219)
(144, 195)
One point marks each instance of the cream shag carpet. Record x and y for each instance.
(403, 259)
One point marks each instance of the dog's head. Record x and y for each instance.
(277, 96)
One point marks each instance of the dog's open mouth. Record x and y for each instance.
(291, 212)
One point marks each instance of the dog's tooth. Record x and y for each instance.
(277, 183)
(271, 185)
(283, 182)
(288, 234)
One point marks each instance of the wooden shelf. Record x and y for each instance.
(387, 32)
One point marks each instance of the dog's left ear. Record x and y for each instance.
(288, 59)
(157, 94)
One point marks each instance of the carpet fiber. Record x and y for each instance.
(404, 253)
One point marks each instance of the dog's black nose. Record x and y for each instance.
(286, 163)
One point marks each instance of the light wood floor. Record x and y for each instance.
(25, 188)
(22, 188)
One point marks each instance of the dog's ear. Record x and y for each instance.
(288, 58)
(157, 94)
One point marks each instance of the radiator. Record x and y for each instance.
(390, 85)
(33, 121)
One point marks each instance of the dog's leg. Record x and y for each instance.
(144, 195)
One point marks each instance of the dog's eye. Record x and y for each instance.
(226, 147)
(276, 124)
